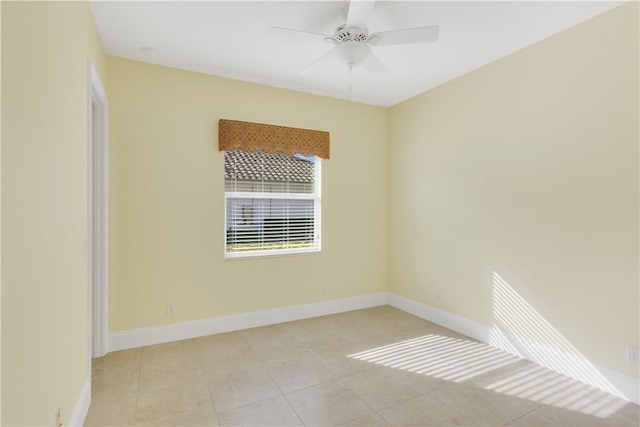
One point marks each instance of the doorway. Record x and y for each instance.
(98, 216)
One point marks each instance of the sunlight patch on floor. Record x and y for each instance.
(451, 359)
(458, 360)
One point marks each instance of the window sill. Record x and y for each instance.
(269, 254)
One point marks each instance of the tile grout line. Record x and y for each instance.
(135, 413)
(337, 377)
(442, 403)
(281, 392)
(524, 415)
(206, 380)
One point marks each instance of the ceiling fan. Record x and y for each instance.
(352, 41)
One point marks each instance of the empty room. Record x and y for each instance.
(320, 213)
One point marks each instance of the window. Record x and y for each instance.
(272, 203)
(272, 194)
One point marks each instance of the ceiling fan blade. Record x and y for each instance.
(318, 63)
(359, 13)
(298, 34)
(406, 36)
(373, 65)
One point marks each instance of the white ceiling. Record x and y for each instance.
(231, 39)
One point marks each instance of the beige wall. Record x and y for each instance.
(514, 192)
(45, 47)
(167, 198)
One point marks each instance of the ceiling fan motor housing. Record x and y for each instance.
(344, 34)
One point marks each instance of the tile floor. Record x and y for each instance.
(373, 367)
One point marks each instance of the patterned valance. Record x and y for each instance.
(247, 136)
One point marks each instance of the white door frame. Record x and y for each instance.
(98, 216)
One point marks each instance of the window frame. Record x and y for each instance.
(315, 196)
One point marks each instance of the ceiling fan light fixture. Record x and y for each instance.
(352, 52)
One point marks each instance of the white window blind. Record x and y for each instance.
(272, 204)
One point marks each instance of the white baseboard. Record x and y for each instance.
(192, 329)
(81, 408)
(605, 379)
